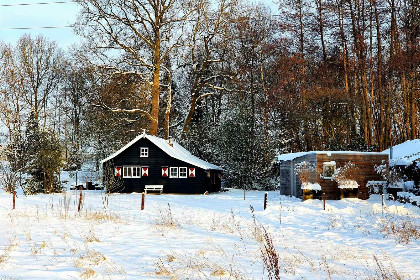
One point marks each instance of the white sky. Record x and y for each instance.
(34, 15)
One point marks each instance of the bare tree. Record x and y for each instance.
(210, 35)
(135, 37)
(37, 66)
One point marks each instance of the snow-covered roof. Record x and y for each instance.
(311, 186)
(175, 151)
(292, 156)
(405, 153)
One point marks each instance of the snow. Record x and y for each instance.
(406, 185)
(348, 184)
(411, 197)
(311, 186)
(373, 183)
(176, 151)
(292, 156)
(405, 153)
(212, 236)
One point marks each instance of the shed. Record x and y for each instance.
(325, 163)
(150, 161)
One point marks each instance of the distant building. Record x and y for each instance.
(326, 163)
(405, 153)
(150, 162)
(404, 159)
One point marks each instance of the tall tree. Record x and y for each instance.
(142, 32)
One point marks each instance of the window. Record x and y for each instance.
(182, 172)
(328, 169)
(131, 171)
(173, 172)
(144, 152)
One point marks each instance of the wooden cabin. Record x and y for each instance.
(326, 163)
(150, 163)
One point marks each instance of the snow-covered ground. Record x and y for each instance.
(213, 236)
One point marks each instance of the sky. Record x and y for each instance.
(14, 15)
(38, 15)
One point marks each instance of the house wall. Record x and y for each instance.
(285, 177)
(366, 172)
(155, 161)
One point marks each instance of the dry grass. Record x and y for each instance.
(166, 219)
(384, 272)
(270, 256)
(91, 237)
(202, 264)
(91, 257)
(87, 273)
(101, 216)
(6, 254)
(404, 230)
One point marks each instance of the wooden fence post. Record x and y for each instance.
(80, 200)
(14, 199)
(142, 200)
(265, 200)
(324, 198)
(383, 203)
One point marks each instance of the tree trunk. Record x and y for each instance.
(154, 126)
(381, 131)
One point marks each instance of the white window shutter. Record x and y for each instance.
(145, 171)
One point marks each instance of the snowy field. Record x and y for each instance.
(206, 237)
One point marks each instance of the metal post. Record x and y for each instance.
(142, 200)
(324, 198)
(265, 200)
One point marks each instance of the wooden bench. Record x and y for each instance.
(153, 188)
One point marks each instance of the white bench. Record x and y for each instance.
(153, 188)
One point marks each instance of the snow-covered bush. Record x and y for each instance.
(8, 177)
(307, 172)
(391, 174)
(345, 176)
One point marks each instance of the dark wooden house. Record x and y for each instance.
(152, 163)
(326, 163)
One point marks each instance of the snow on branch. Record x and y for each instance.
(128, 111)
(307, 174)
(346, 176)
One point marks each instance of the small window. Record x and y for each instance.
(131, 172)
(182, 172)
(328, 169)
(136, 172)
(173, 172)
(144, 152)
